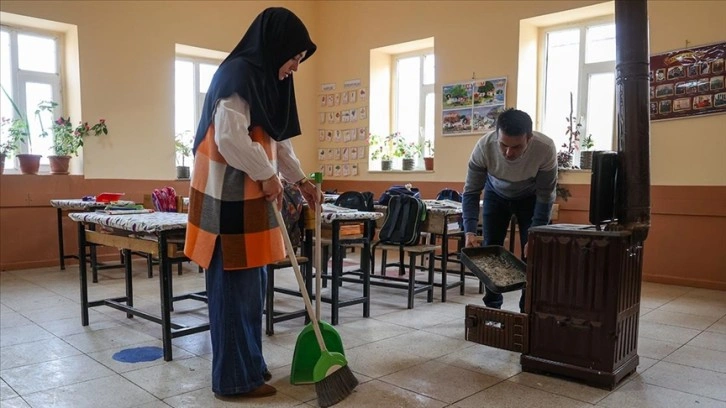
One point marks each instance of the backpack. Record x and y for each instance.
(292, 208)
(354, 200)
(397, 190)
(449, 194)
(404, 219)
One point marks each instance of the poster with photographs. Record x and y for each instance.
(472, 106)
(688, 82)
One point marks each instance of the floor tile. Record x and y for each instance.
(375, 394)
(418, 319)
(107, 339)
(15, 402)
(639, 394)
(688, 321)
(11, 318)
(440, 381)
(697, 306)
(67, 327)
(204, 398)
(35, 352)
(51, 374)
(105, 357)
(655, 349)
(114, 391)
(175, 377)
(376, 360)
(664, 332)
(486, 360)
(687, 379)
(560, 386)
(710, 340)
(507, 394)
(6, 392)
(23, 334)
(698, 357)
(425, 344)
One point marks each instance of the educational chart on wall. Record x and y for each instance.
(343, 131)
(688, 82)
(472, 106)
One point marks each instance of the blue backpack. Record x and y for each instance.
(449, 194)
(398, 190)
(404, 219)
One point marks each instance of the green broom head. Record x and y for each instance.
(334, 381)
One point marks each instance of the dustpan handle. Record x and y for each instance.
(298, 276)
(318, 256)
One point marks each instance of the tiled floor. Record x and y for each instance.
(403, 358)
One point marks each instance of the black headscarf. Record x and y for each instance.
(252, 71)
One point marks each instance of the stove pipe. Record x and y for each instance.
(632, 113)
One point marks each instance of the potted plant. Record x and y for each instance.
(407, 151)
(564, 157)
(380, 149)
(586, 154)
(429, 155)
(67, 139)
(18, 131)
(183, 150)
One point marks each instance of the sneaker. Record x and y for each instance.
(264, 390)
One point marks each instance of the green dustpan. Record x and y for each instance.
(307, 352)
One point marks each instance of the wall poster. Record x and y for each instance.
(472, 106)
(688, 82)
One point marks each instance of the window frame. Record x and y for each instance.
(585, 70)
(425, 89)
(20, 78)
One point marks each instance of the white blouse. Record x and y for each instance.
(231, 121)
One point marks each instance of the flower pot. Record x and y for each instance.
(385, 165)
(182, 172)
(586, 159)
(59, 164)
(29, 163)
(429, 163)
(407, 164)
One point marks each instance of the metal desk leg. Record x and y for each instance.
(444, 261)
(336, 272)
(94, 261)
(60, 240)
(165, 292)
(129, 284)
(365, 263)
(82, 273)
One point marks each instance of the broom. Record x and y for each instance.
(334, 380)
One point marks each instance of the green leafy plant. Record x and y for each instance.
(429, 147)
(381, 147)
(564, 156)
(587, 142)
(183, 146)
(67, 139)
(18, 130)
(405, 149)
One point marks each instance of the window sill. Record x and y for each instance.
(397, 171)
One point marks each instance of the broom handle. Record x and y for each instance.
(318, 257)
(298, 276)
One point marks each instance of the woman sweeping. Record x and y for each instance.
(242, 144)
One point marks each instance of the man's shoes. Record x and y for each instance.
(267, 375)
(264, 390)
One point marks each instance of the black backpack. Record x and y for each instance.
(449, 194)
(355, 200)
(398, 190)
(404, 219)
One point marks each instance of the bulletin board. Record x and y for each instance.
(687, 82)
(343, 128)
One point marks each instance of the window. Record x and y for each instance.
(30, 72)
(579, 60)
(192, 79)
(413, 96)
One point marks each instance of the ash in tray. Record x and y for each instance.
(500, 271)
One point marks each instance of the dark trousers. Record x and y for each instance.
(497, 213)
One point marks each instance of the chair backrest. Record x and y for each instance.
(292, 208)
(449, 194)
(356, 200)
(404, 219)
(164, 199)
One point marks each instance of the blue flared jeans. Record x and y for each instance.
(497, 212)
(236, 301)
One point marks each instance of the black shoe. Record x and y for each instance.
(267, 375)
